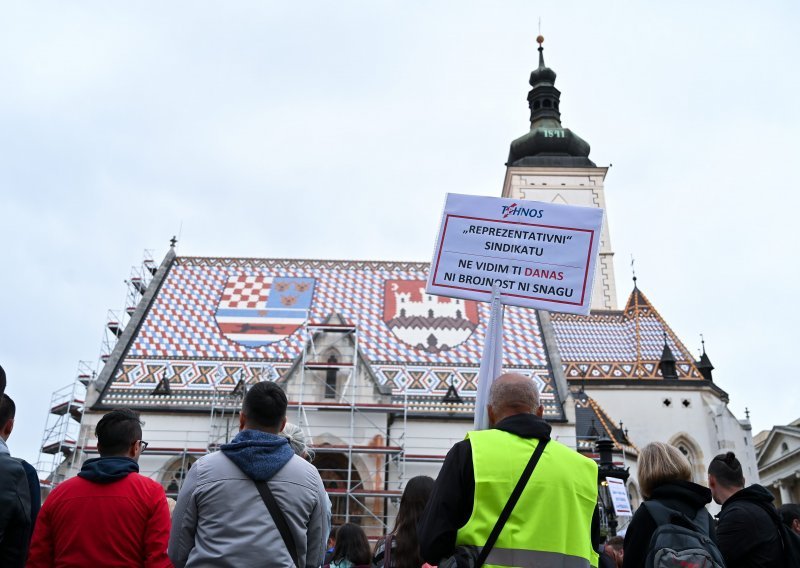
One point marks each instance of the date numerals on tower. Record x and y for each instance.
(554, 133)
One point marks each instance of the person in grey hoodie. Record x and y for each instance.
(220, 519)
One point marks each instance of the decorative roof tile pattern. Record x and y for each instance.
(182, 322)
(199, 341)
(619, 345)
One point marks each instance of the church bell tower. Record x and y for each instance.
(551, 163)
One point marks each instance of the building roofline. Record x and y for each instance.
(99, 386)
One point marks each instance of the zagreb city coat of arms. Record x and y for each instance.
(426, 322)
(259, 310)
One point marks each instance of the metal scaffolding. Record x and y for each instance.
(357, 431)
(63, 426)
(61, 445)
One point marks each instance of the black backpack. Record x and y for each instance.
(789, 540)
(679, 541)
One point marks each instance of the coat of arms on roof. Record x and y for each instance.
(258, 310)
(426, 322)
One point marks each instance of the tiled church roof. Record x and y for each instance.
(623, 344)
(208, 323)
(592, 422)
(185, 337)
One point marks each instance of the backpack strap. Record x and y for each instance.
(279, 518)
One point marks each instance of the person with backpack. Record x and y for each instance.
(400, 548)
(748, 527)
(672, 526)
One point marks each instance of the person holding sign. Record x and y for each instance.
(555, 517)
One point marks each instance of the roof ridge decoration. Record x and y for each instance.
(297, 263)
(108, 373)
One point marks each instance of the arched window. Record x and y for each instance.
(784, 447)
(175, 473)
(689, 448)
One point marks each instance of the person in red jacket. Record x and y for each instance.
(109, 515)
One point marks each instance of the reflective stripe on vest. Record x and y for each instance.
(551, 523)
(537, 558)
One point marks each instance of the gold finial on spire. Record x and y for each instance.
(540, 37)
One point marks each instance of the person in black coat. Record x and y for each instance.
(20, 496)
(748, 522)
(664, 476)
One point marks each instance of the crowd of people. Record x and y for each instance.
(506, 496)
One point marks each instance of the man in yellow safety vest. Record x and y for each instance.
(555, 521)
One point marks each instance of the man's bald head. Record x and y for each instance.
(511, 394)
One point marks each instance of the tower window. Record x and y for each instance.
(536, 105)
(548, 103)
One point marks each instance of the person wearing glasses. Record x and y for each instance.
(109, 515)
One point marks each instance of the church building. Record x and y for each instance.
(381, 376)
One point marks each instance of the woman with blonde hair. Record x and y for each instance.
(665, 476)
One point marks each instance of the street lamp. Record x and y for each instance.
(607, 468)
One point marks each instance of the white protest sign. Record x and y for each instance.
(619, 496)
(539, 255)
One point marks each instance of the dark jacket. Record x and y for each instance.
(15, 512)
(450, 504)
(107, 516)
(747, 530)
(684, 496)
(35, 490)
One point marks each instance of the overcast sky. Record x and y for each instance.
(334, 130)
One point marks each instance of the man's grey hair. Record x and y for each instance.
(514, 394)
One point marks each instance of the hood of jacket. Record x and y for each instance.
(260, 455)
(108, 470)
(754, 494)
(692, 494)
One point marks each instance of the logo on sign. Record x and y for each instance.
(426, 322)
(514, 210)
(258, 310)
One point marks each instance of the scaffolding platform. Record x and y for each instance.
(72, 407)
(65, 447)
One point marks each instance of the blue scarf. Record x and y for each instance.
(259, 455)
